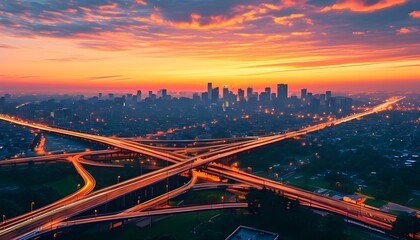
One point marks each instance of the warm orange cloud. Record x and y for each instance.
(362, 6)
(288, 20)
(184, 44)
(142, 2)
(405, 30)
(415, 14)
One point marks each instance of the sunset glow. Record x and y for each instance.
(101, 45)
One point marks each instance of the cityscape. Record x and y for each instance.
(173, 120)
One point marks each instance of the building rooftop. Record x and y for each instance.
(247, 233)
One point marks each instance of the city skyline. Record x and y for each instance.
(119, 45)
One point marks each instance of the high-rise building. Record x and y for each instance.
(268, 92)
(264, 97)
(162, 93)
(138, 95)
(196, 97)
(328, 94)
(332, 104)
(225, 92)
(315, 104)
(303, 92)
(100, 96)
(111, 96)
(322, 99)
(249, 92)
(209, 90)
(346, 105)
(282, 92)
(241, 94)
(215, 94)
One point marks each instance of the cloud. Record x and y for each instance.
(406, 30)
(288, 20)
(363, 5)
(235, 29)
(415, 14)
(7, 46)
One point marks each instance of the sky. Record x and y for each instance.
(124, 45)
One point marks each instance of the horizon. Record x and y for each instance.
(348, 89)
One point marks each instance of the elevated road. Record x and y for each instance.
(65, 211)
(165, 211)
(359, 212)
(118, 143)
(87, 188)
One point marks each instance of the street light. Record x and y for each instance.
(96, 212)
(118, 179)
(141, 167)
(32, 206)
(4, 219)
(138, 200)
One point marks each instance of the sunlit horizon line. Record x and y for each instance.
(28, 88)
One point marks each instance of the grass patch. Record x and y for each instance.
(375, 202)
(415, 202)
(66, 185)
(202, 197)
(179, 226)
(42, 184)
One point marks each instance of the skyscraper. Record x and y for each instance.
(138, 95)
(209, 90)
(164, 94)
(225, 92)
(328, 94)
(282, 92)
(249, 92)
(215, 94)
(241, 94)
(303, 92)
(268, 92)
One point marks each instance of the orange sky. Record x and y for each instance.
(74, 47)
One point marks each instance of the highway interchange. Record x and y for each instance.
(55, 215)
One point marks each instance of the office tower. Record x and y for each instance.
(129, 97)
(328, 94)
(315, 104)
(268, 92)
(264, 97)
(322, 98)
(196, 97)
(249, 92)
(215, 94)
(346, 105)
(138, 95)
(225, 92)
(205, 96)
(150, 94)
(100, 96)
(162, 93)
(209, 90)
(332, 104)
(111, 96)
(273, 96)
(241, 94)
(309, 96)
(303, 92)
(282, 92)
